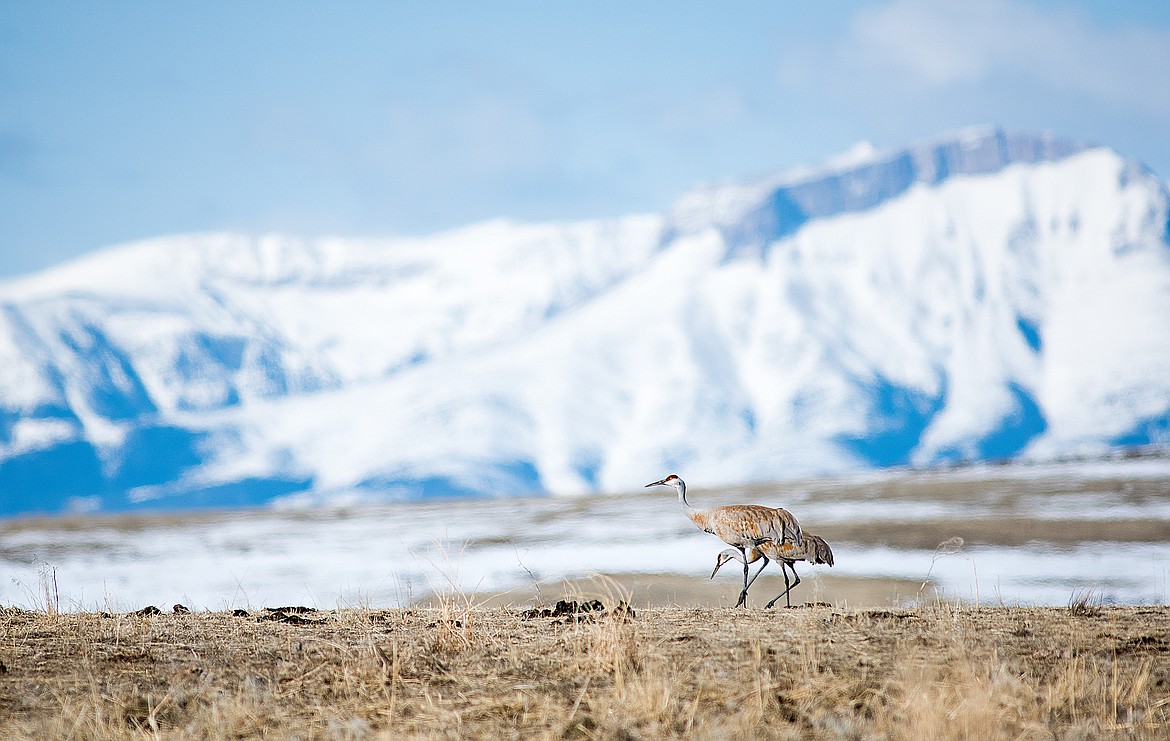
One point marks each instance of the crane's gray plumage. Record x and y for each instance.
(742, 526)
(813, 549)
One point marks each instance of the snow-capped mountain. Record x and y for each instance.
(983, 296)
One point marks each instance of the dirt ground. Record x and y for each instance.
(856, 658)
(649, 590)
(458, 668)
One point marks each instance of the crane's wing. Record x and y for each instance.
(753, 523)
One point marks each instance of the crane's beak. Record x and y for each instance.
(656, 483)
(719, 561)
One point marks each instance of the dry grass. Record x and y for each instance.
(458, 670)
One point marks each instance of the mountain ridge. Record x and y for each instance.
(928, 306)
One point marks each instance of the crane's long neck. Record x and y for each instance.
(734, 553)
(694, 514)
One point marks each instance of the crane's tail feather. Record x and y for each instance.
(819, 551)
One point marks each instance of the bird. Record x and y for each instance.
(741, 526)
(814, 550)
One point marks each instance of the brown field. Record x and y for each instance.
(679, 590)
(860, 658)
(459, 668)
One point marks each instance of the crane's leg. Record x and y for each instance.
(743, 595)
(747, 586)
(795, 581)
(753, 581)
(788, 588)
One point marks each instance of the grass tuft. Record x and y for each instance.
(1085, 604)
(456, 669)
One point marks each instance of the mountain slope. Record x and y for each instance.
(984, 296)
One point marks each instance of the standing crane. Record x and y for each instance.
(814, 549)
(742, 526)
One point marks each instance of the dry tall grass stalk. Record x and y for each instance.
(459, 670)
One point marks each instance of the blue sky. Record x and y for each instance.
(127, 120)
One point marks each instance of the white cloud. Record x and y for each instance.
(986, 50)
(930, 45)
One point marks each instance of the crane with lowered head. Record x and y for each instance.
(814, 549)
(742, 526)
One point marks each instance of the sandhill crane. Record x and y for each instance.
(742, 526)
(814, 549)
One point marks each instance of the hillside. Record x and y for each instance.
(984, 296)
